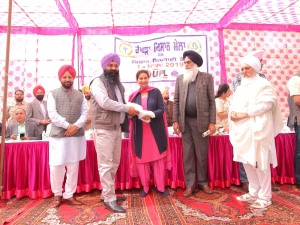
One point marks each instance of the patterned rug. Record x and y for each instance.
(219, 208)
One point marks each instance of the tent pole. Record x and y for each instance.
(5, 93)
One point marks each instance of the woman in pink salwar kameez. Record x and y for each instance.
(148, 140)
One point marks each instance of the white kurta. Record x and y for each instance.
(253, 138)
(67, 149)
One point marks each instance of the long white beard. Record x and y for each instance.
(190, 74)
(247, 80)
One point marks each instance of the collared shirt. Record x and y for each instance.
(10, 116)
(43, 108)
(21, 128)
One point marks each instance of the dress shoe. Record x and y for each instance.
(113, 206)
(188, 192)
(206, 189)
(275, 188)
(73, 201)
(57, 201)
(119, 198)
(245, 186)
(165, 193)
(298, 186)
(143, 194)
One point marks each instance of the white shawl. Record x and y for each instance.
(253, 138)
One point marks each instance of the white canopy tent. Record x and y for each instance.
(46, 34)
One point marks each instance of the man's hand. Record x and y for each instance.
(176, 128)
(212, 128)
(72, 129)
(234, 116)
(45, 122)
(132, 111)
(25, 138)
(13, 137)
(88, 119)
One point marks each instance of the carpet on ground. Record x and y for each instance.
(221, 207)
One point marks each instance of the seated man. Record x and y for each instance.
(26, 129)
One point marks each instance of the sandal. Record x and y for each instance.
(261, 203)
(246, 198)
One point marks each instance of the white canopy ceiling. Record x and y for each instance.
(121, 16)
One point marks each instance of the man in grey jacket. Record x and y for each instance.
(37, 109)
(22, 129)
(109, 113)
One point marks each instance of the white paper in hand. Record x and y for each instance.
(142, 113)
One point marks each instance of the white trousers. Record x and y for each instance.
(57, 175)
(259, 182)
(108, 148)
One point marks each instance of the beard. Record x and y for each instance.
(166, 98)
(67, 85)
(247, 80)
(113, 76)
(190, 74)
(19, 99)
(87, 97)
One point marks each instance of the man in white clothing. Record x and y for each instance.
(68, 112)
(109, 119)
(255, 119)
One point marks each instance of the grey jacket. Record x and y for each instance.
(35, 114)
(31, 130)
(205, 100)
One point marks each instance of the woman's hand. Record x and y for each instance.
(146, 117)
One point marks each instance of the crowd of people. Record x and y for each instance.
(251, 116)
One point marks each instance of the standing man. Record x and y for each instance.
(10, 115)
(87, 94)
(37, 109)
(194, 113)
(293, 86)
(109, 120)
(255, 120)
(168, 107)
(68, 112)
(237, 82)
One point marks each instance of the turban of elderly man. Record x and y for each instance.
(66, 68)
(39, 87)
(258, 54)
(194, 57)
(111, 57)
(252, 61)
(85, 89)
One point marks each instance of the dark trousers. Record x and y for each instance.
(194, 144)
(243, 175)
(297, 156)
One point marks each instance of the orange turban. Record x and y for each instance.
(37, 88)
(66, 68)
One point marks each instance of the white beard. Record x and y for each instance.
(248, 80)
(190, 74)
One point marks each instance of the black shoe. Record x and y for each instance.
(165, 193)
(143, 194)
(298, 186)
(113, 206)
(119, 198)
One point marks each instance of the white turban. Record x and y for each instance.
(252, 61)
(258, 54)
